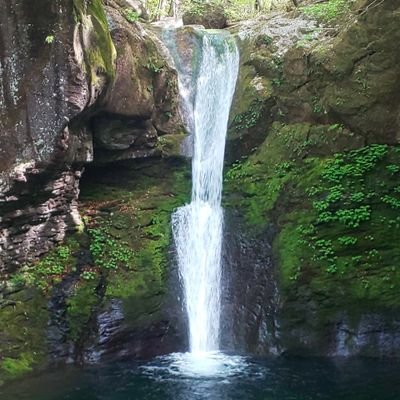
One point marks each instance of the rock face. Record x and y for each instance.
(209, 15)
(44, 86)
(66, 93)
(141, 104)
(78, 83)
(298, 75)
(250, 293)
(309, 112)
(32, 228)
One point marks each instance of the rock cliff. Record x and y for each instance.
(317, 120)
(81, 82)
(73, 90)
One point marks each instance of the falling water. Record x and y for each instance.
(197, 227)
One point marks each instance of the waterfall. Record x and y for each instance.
(197, 227)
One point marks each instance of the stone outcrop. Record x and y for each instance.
(39, 216)
(45, 84)
(67, 88)
(80, 82)
(310, 106)
(209, 15)
(294, 70)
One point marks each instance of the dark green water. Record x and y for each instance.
(279, 379)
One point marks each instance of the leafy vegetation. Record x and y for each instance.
(249, 118)
(109, 253)
(154, 65)
(327, 11)
(50, 270)
(131, 15)
(337, 214)
(49, 39)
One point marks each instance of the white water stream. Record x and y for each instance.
(197, 227)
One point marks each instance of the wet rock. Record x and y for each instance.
(117, 339)
(45, 85)
(373, 336)
(321, 92)
(250, 293)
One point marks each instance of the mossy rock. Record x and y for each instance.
(336, 218)
(98, 46)
(210, 15)
(23, 318)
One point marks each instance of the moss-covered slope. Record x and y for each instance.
(103, 293)
(337, 222)
(315, 129)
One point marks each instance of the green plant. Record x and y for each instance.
(328, 11)
(317, 106)
(334, 127)
(391, 201)
(277, 81)
(48, 271)
(88, 275)
(109, 253)
(347, 240)
(393, 168)
(249, 118)
(154, 65)
(49, 39)
(266, 40)
(131, 15)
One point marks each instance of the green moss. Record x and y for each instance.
(127, 213)
(24, 314)
(289, 247)
(101, 54)
(171, 145)
(50, 270)
(16, 367)
(336, 215)
(140, 200)
(23, 321)
(80, 306)
(328, 11)
(126, 284)
(261, 178)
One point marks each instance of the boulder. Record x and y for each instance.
(209, 15)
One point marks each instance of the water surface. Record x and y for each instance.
(172, 378)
